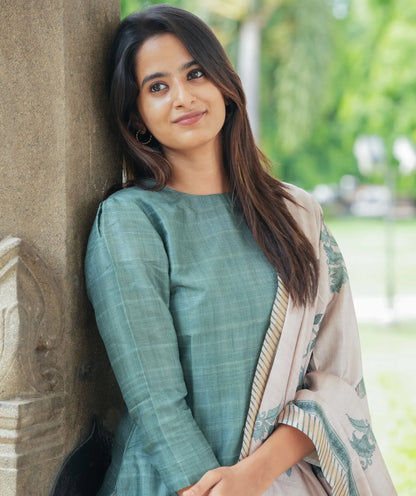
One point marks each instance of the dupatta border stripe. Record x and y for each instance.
(335, 461)
(267, 354)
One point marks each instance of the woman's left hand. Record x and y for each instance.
(256, 473)
(237, 480)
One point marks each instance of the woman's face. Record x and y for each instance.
(178, 103)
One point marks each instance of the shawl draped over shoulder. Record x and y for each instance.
(309, 376)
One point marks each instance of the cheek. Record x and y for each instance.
(153, 112)
(221, 112)
(219, 103)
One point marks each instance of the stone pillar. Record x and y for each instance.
(57, 158)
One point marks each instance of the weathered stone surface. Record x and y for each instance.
(58, 157)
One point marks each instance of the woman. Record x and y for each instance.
(221, 297)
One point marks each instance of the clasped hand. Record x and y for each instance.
(256, 473)
(237, 480)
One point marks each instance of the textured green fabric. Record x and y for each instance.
(182, 296)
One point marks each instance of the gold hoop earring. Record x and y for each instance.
(141, 136)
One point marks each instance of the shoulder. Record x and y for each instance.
(127, 197)
(305, 209)
(301, 197)
(133, 202)
(118, 208)
(127, 212)
(124, 227)
(304, 203)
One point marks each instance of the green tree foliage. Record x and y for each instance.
(371, 90)
(297, 42)
(297, 50)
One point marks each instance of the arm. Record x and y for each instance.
(288, 444)
(331, 406)
(256, 473)
(127, 272)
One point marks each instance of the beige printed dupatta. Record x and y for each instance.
(309, 376)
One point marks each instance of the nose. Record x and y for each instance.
(183, 96)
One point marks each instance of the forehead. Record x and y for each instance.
(161, 53)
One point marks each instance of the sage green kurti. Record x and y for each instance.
(182, 296)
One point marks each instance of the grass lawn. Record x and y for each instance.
(363, 244)
(389, 362)
(389, 351)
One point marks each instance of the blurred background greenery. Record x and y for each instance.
(327, 72)
(330, 70)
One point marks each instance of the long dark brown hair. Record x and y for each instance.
(261, 197)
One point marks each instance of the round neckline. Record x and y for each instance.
(192, 195)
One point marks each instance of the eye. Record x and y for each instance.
(156, 87)
(195, 74)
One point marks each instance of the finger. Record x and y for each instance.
(207, 482)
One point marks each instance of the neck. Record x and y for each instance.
(198, 172)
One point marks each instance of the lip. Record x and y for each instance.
(189, 118)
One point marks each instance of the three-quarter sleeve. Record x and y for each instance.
(127, 275)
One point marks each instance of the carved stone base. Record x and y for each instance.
(31, 437)
(32, 432)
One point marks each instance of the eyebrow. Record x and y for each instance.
(157, 75)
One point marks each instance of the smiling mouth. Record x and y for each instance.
(189, 119)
